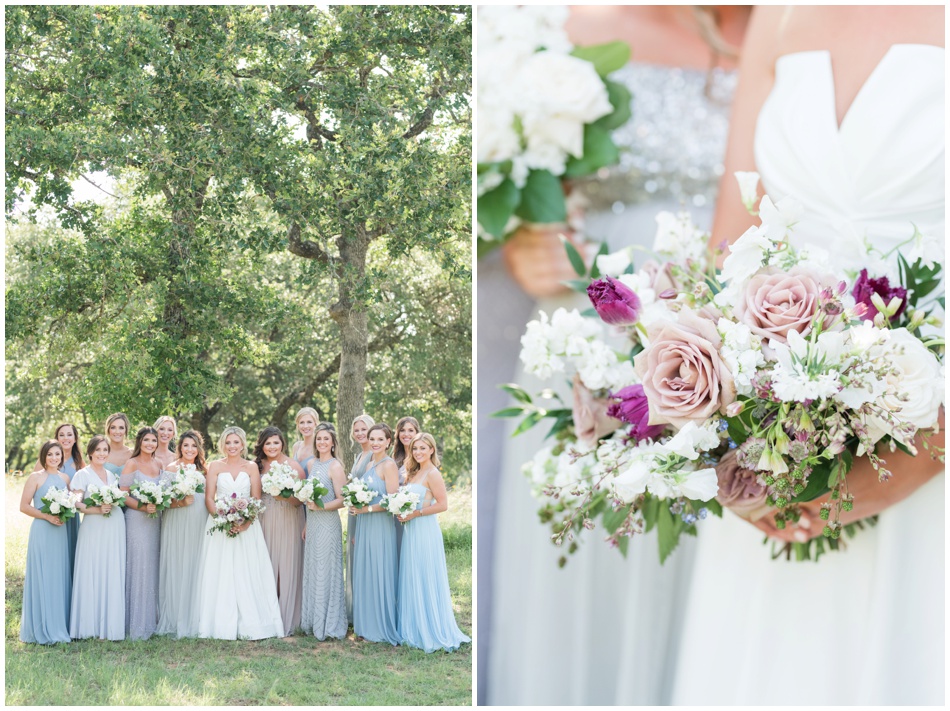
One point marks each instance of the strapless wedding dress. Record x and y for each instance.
(863, 626)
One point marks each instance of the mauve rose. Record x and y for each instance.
(240, 504)
(772, 304)
(661, 276)
(591, 420)
(740, 490)
(634, 409)
(683, 376)
(614, 302)
(864, 288)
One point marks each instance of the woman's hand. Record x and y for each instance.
(150, 508)
(404, 518)
(312, 506)
(55, 520)
(105, 509)
(303, 535)
(537, 261)
(189, 500)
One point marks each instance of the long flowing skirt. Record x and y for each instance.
(374, 578)
(183, 534)
(143, 535)
(282, 525)
(98, 600)
(46, 587)
(324, 605)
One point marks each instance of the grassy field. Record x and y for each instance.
(294, 671)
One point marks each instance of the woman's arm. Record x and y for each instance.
(437, 487)
(338, 477)
(211, 486)
(26, 500)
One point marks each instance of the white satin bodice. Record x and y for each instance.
(227, 485)
(880, 172)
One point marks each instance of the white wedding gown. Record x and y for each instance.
(237, 595)
(863, 626)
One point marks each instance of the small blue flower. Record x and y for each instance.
(703, 512)
(689, 518)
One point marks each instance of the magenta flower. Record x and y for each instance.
(632, 407)
(864, 288)
(614, 302)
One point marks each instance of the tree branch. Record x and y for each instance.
(424, 120)
(306, 248)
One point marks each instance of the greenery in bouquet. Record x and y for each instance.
(60, 503)
(357, 494)
(546, 111)
(400, 502)
(310, 490)
(105, 494)
(147, 492)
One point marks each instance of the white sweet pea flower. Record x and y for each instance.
(702, 484)
(633, 480)
(614, 264)
(748, 187)
(778, 218)
(742, 352)
(927, 248)
(693, 439)
(678, 238)
(746, 255)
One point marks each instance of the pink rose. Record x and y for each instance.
(661, 276)
(683, 376)
(590, 415)
(240, 504)
(774, 303)
(740, 490)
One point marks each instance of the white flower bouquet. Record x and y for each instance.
(400, 502)
(188, 481)
(104, 494)
(148, 492)
(60, 503)
(752, 387)
(357, 494)
(311, 490)
(232, 511)
(545, 111)
(280, 480)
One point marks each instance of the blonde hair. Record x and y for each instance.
(167, 418)
(118, 416)
(306, 411)
(369, 422)
(412, 466)
(233, 430)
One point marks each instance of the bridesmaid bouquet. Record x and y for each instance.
(280, 480)
(752, 387)
(400, 502)
(188, 481)
(545, 112)
(234, 510)
(148, 492)
(310, 490)
(60, 502)
(357, 494)
(101, 494)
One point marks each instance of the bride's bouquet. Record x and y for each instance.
(188, 481)
(545, 111)
(280, 480)
(104, 494)
(232, 511)
(752, 387)
(357, 494)
(400, 502)
(310, 490)
(60, 503)
(149, 492)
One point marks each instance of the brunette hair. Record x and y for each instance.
(94, 444)
(45, 450)
(194, 436)
(326, 427)
(76, 451)
(399, 450)
(118, 416)
(412, 465)
(382, 427)
(139, 436)
(265, 435)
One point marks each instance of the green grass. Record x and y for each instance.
(296, 671)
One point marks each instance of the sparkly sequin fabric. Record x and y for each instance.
(673, 146)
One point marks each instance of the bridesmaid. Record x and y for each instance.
(117, 429)
(406, 429)
(46, 586)
(374, 555)
(358, 433)
(68, 437)
(282, 523)
(142, 540)
(182, 538)
(167, 429)
(426, 618)
(98, 600)
(324, 604)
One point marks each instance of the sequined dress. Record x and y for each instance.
(613, 620)
(143, 535)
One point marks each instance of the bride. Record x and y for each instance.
(842, 108)
(237, 595)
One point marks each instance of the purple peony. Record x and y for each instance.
(864, 288)
(614, 302)
(633, 408)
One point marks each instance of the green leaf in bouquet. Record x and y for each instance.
(613, 518)
(517, 392)
(542, 199)
(528, 422)
(620, 99)
(606, 58)
(508, 412)
(594, 271)
(650, 510)
(561, 423)
(484, 247)
(578, 285)
(599, 151)
(497, 206)
(668, 532)
(840, 467)
(713, 506)
(577, 261)
(623, 544)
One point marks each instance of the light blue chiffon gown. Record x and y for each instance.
(359, 466)
(426, 617)
(375, 568)
(98, 600)
(46, 587)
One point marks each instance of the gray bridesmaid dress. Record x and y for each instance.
(142, 555)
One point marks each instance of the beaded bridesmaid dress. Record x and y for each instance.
(46, 586)
(324, 604)
(98, 599)
(375, 568)
(613, 621)
(864, 626)
(426, 617)
(282, 524)
(143, 535)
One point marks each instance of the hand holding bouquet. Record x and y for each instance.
(357, 495)
(148, 492)
(280, 480)
(188, 481)
(60, 503)
(104, 495)
(311, 491)
(401, 502)
(232, 512)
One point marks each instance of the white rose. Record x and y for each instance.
(54, 508)
(497, 139)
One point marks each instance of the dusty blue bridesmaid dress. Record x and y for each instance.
(426, 618)
(72, 525)
(46, 587)
(359, 466)
(375, 568)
